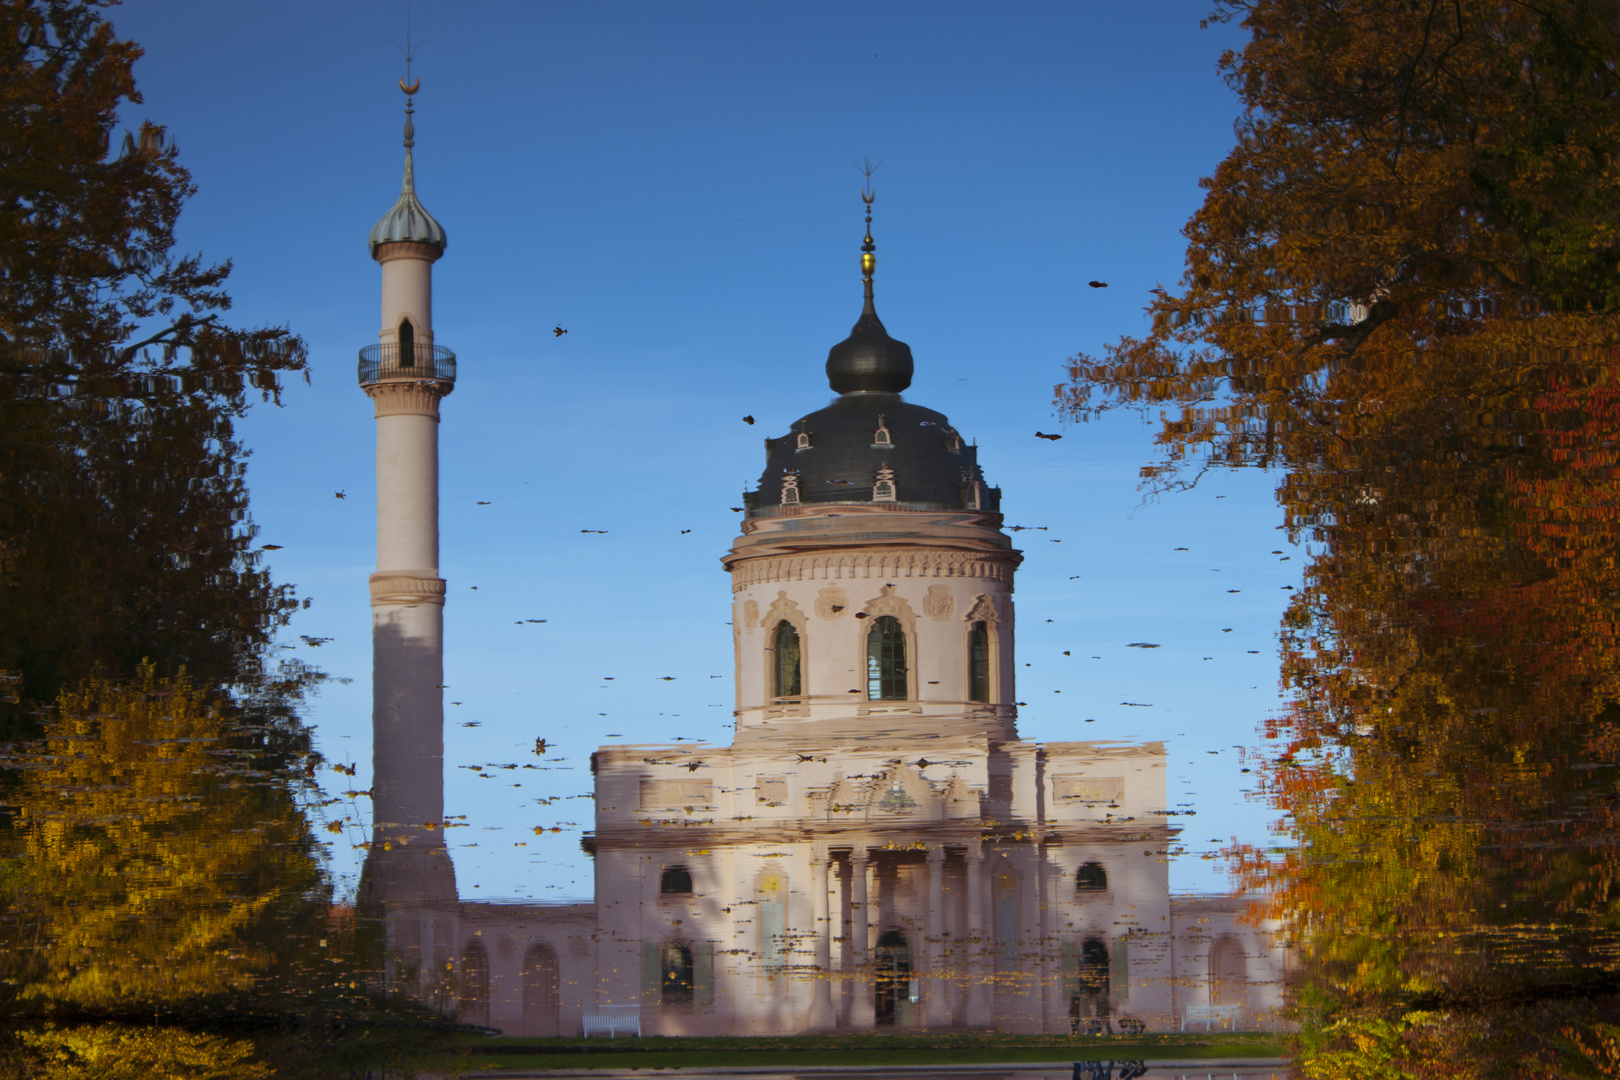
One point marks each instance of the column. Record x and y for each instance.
(935, 1000)
(822, 1017)
(861, 1011)
(979, 959)
(1049, 994)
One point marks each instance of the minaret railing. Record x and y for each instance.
(379, 363)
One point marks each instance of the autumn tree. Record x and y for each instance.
(1401, 292)
(123, 527)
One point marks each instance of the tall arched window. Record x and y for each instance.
(473, 1007)
(675, 987)
(886, 660)
(979, 662)
(789, 680)
(676, 881)
(407, 344)
(772, 921)
(1228, 973)
(540, 992)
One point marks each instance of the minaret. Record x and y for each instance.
(405, 374)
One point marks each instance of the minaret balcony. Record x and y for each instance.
(388, 362)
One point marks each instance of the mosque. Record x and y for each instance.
(877, 849)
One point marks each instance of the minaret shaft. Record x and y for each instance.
(407, 491)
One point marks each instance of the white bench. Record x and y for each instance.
(1212, 1014)
(612, 1020)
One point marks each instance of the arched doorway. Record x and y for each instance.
(892, 981)
(541, 999)
(1088, 1008)
(473, 1004)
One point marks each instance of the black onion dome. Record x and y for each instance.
(870, 446)
(869, 361)
(840, 455)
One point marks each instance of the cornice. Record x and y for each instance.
(897, 836)
(406, 249)
(407, 397)
(403, 587)
(879, 563)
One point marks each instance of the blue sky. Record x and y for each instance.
(674, 183)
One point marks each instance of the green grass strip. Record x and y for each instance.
(938, 1048)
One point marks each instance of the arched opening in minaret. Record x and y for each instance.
(789, 662)
(892, 984)
(407, 344)
(979, 662)
(886, 660)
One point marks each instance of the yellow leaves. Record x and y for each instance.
(157, 853)
(112, 1052)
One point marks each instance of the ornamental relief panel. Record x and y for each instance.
(939, 604)
(886, 603)
(984, 609)
(782, 609)
(831, 602)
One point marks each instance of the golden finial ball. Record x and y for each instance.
(868, 263)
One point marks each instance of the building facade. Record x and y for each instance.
(877, 849)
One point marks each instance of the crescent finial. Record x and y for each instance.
(411, 89)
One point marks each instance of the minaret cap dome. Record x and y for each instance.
(407, 221)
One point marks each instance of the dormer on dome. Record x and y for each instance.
(407, 221)
(883, 490)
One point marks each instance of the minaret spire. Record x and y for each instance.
(868, 259)
(869, 360)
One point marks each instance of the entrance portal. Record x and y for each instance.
(894, 989)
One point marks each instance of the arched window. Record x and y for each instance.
(675, 986)
(407, 344)
(473, 1007)
(892, 985)
(1091, 877)
(772, 921)
(789, 673)
(979, 662)
(1228, 973)
(677, 881)
(540, 992)
(886, 660)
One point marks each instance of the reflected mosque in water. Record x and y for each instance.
(877, 848)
